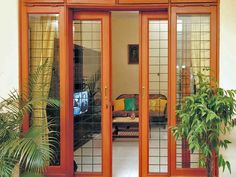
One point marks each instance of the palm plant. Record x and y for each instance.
(92, 84)
(31, 149)
(203, 118)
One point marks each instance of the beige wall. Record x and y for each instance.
(125, 30)
(8, 47)
(9, 57)
(228, 67)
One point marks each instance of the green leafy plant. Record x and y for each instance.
(92, 84)
(202, 120)
(29, 150)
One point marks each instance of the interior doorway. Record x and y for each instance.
(125, 93)
(120, 99)
(141, 80)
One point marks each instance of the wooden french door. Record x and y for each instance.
(92, 122)
(154, 132)
(169, 68)
(193, 50)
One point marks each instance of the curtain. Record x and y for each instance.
(43, 30)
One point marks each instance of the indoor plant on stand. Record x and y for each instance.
(30, 150)
(202, 120)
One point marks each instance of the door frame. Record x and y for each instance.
(106, 147)
(213, 72)
(63, 169)
(66, 75)
(144, 93)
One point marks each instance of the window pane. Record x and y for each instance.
(44, 50)
(193, 56)
(87, 96)
(158, 92)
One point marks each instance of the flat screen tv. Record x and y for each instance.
(80, 102)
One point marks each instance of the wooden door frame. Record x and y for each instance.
(63, 169)
(106, 122)
(214, 72)
(66, 69)
(144, 92)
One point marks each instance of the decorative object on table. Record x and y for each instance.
(203, 118)
(133, 54)
(132, 115)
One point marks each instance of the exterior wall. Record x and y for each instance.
(8, 47)
(125, 30)
(227, 67)
(9, 56)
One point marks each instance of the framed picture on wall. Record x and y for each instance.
(133, 55)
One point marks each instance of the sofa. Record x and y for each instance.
(157, 115)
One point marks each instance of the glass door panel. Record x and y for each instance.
(193, 56)
(87, 95)
(44, 61)
(158, 92)
(154, 79)
(193, 50)
(91, 94)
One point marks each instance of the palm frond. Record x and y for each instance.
(32, 150)
(6, 166)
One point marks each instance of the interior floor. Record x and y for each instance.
(125, 158)
(125, 154)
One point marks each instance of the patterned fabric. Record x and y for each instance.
(157, 105)
(130, 104)
(158, 111)
(119, 105)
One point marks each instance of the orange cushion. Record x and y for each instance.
(119, 105)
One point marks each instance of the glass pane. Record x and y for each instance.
(158, 92)
(44, 49)
(193, 56)
(87, 96)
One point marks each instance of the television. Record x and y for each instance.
(80, 102)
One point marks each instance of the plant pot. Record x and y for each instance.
(16, 171)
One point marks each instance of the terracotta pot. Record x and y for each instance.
(16, 171)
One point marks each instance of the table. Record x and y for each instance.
(125, 127)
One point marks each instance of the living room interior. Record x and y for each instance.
(125, 95)
(125, 83)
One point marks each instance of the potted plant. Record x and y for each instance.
(29, 151)
(202, 120)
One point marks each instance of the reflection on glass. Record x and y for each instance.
(44, 46)
(87, 96)
(158, 90)
(193, 56)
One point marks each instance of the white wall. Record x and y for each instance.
(9, 56)
(8, 46)
(228, 67)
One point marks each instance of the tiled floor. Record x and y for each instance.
(125, 158)
(125, 154)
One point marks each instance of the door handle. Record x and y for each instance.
(143, 94)
(105, 92)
